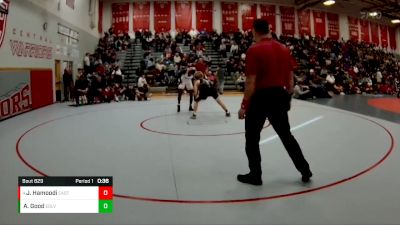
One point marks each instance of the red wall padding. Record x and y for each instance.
(41, 88)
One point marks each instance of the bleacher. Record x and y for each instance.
(130, 61)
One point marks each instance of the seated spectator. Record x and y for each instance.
(240, 81)
(108, 94)
(177, 59)
(301, 91)
(143, 88)
(81, 89)
(117, 73)
(201, 66)
(95, 90)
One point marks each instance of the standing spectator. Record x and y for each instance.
(221, 79)
(269, 85)
(68, 84)
(86, 63)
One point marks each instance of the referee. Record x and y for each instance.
(269, 85)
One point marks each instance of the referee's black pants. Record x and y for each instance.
(274, 104)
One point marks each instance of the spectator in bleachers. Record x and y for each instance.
(143, 88)
(81, 89)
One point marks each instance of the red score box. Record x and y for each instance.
(105, 193)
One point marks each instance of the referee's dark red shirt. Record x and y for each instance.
(271, 63)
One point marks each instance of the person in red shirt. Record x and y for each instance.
(268, 90)
(201, 66)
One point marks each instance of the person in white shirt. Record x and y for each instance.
(86, 63)
(193, 33)
(234, 48)
(302, 92)
(330, 79)
(117, 73)
(186, 83)
(379, 77)
(143, 88)
(177, 58)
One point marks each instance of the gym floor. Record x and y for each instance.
(169, 169)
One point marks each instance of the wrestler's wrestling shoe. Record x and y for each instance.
(193, 117)
(190, 108)
(227, 114)
(179, 108)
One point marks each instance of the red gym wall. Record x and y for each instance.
(41, 88)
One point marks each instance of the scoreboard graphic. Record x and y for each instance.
(65, 195)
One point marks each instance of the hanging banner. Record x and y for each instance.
(141, 16)
(392, 38)
(353, 28)
(249, 14)
(162, 16)
(100, 24)
(288, 20)
(364, 24)
(268, 12)
(384, 36)
(319, 24)
(304, 22)
(333, 26)
(183, 15)
(204, 16)
(120, 17)
(375, 33)
(229, 16)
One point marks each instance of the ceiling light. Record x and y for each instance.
(329, 2)
(396, 21)
(373, 14)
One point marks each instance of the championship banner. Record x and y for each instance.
(100, 24)
(120, 17)
(268, 12)
(392, 38)
(319, 23)
(288, 20)
(229, 16)
(304, 22)
(384, 36)
(249, 14)
(375, 33)
(3, 20)
(365, 31)
(204, 16)
(141, 16)
(162, 16)
(333, 26)
(183, 15)
(353, 28)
